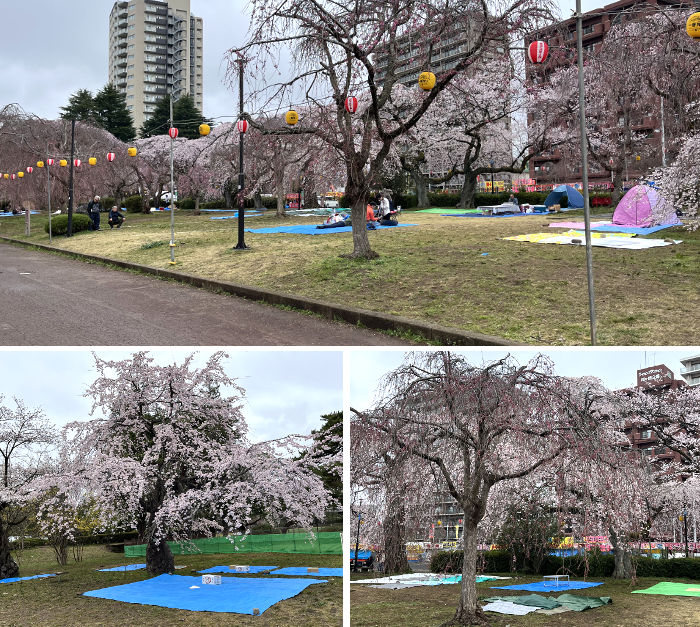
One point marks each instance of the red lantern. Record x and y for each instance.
(30, 169)
(77, 162)
(13, 176)
(172, 132)
(110, 156)
(49, 162)
(242, 126)
(351, 104)
(537, 51)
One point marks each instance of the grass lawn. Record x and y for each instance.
(58, 601)
(433, 605)
(435, 272)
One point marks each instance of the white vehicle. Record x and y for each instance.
(328, 202)
(167, 196)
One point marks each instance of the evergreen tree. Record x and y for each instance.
(158, 123)
(81, 107)
(186, 117)
(111, 114)
(329, 443)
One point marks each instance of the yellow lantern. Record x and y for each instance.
(7, 176)
(92, 161)
(63, 163)
(692, 26)
(132, 152)
(39, 164)
(639, 158)
(426, 81)
(20, 174)
(204, 129)
(291, 118)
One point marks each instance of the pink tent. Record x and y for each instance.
(643, 206)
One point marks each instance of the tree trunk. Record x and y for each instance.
(279, 190)
(617, 189)
(468, 611)
(196, 205)
(60, 548)
(395, 559)
(159, 558)
(466, 194)
(421, 182)
(623, 558)
(257, 200)
(356, 193)
(8, 566)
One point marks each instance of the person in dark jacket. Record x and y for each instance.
(115, 218)
(94, 209)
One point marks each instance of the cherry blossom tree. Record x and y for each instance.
(478, 427)
(335, 51)
(25, 437)
(171, 457)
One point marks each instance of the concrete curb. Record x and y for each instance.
(353, 315)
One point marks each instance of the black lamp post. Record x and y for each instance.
(493, 189)
(241, 176)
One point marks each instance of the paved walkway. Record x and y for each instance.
(49, 300)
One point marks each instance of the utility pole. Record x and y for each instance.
(172, 189)
(69, 231)
(241, 176)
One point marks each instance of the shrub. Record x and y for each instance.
(59, 224)
(446, 562)
(134, 204)
(186, 203)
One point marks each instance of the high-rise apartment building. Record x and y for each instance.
(155, 48)
(690, 370)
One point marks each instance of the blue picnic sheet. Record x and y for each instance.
(539, 586)
(302, 570)
(227, 569)
(123, 568)
(13, 579)
(310, 229)
(637, 230)
(235, 594)
(235, 216)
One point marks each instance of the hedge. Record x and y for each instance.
(98, 538)
(59, 224)
(134, 204)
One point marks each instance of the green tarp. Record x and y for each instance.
(531, 600)
(575, 602)
(672, 589)
(578, 602)
(323, 543)
(446, 211)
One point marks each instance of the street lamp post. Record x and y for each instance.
(241, 176)
(69, 230)
(48, 187)
(172, 188)
(357, 541)
(493, 189)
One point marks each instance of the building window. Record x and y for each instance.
(646, 434)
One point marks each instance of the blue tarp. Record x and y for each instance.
(123, 568)
(228, 571)
(361, 555)
(235, 594)
(235, 216)
(637, 230)
(302, 570)
(574, 196)
(13, 579)
(549, 586)
(310, 229)
(6, 214)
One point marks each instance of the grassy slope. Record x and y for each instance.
(432, 605)
(58, 600)
(531, 293)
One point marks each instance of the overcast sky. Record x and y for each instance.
(286, 391)
(49, 50)
(617, 368)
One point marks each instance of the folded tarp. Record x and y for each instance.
(576, 225)
(303, 570)
(13, 579)
(506, 607)
(310, 229)
(228, 571)
(123, 568)
(241, 595)
(637, 230)
(573, 602)
(578, 603)
(548, 586)
(531, 600)
(671, 588)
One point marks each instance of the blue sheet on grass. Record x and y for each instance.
(361, 555)
(637, 230)
(13, 579)
(9, 214)
(235, 594)
(303, 570)
(227, 570)
(235, 216)
(123, 568)
(539, 586)
(496, 215)
(310, 229)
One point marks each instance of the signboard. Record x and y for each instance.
(654, 376)
(292, 201)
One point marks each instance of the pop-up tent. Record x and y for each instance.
(644, 206)
(574, 196)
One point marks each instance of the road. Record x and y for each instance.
(49, 300)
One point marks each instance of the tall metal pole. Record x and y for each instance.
(584, 172)
(172, 191)
(357, 541)
(69, 231)
(48, 187)
(663, 135)
(241, 176)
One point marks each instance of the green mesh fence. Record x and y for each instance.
(323, 543)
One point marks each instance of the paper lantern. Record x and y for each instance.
(30, 169)
(351, 104)
(132, 152)
(172, 131)
(110, 156)
(242, 126)
(50, 161)
(20, 174)
(13, 177)
(63, 163)
(692, 26)
(7, 176)
(537, 51)
(204, 129)
(77, 162)
(291, 117)
(638, 158)
(92, 161)
(426, 81)
(39, 164)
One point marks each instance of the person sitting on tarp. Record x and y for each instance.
(513, 200)
(388, 211)
(342, 220)
(115, 218)
(371, 218)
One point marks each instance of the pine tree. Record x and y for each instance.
(159, 121)
(187, 117)
(81, 107)
(111, 113)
